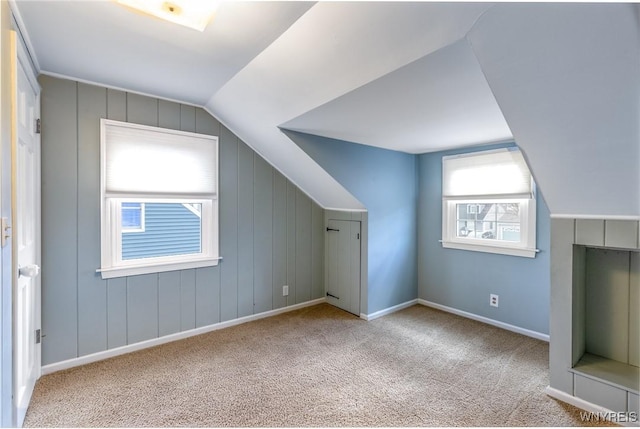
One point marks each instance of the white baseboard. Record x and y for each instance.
(587, 406)
(576, 402)
(388, 310)
(496, 323)
(83, 360)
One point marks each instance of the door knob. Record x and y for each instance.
(29, 271)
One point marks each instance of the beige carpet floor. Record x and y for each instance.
(318, 366)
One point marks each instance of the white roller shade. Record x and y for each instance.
(149, 160)
(501, 172)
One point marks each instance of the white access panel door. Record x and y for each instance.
(27, 244)
(343, 265)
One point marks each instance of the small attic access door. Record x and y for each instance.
(343, 265)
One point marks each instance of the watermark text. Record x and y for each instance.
(611, 416)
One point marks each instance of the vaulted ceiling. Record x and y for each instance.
(562, 79)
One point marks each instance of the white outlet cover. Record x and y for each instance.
(493, 300)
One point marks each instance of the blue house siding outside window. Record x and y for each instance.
(169, 229)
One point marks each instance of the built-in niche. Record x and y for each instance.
(606, 321)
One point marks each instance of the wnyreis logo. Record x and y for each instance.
(611, 416)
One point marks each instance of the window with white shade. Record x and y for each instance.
(488, 203)
(159, 196)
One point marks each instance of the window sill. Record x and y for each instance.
(501, 250)
(110, 273)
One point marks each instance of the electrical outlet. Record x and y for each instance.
(285, 290)
(493, 300)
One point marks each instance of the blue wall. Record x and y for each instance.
(386, 183)
(271, 233)
(463, 279)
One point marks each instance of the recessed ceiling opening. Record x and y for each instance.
(196, 14)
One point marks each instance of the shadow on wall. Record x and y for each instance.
(385, 182)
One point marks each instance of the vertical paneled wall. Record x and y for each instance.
(595, 297)
(270, 232)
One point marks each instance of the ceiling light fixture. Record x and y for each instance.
(194, 14)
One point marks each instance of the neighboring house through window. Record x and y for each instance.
(132, 217)
(488, 203)
(159, 192)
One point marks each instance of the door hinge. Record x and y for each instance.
(358, 236)
(38, 126)
(5, 230)
(38, 336)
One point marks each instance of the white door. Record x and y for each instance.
(343, 265)
(27, 243)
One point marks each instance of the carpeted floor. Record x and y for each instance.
(318, 366)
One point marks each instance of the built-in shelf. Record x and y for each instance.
(614, 373)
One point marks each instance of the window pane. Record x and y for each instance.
(499, 221)
(131, 216)
(170, 229)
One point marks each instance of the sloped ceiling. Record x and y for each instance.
(334, 48)
(564, 79)
(444, 102)
(567, 78)
(103, 42)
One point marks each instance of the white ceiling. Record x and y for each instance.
(409, 76)
(443, 102)
(103, 42)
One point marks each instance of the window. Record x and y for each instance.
(132, 217)
(488, 203)
(159, 195)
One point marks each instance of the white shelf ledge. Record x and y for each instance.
(614, 373)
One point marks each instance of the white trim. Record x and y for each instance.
(151, 268)
(27, 66)
(487, 248)
(95, 357)
(496, 323)
(594, 217)
(345, 210)
(583, 405)
(112, 265)
(575, 401)
(118, 88)
(526, 247)
(22, 29)
(384, 312)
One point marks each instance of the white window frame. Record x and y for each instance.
(526, 247)
(142, 220)
(112, 264)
